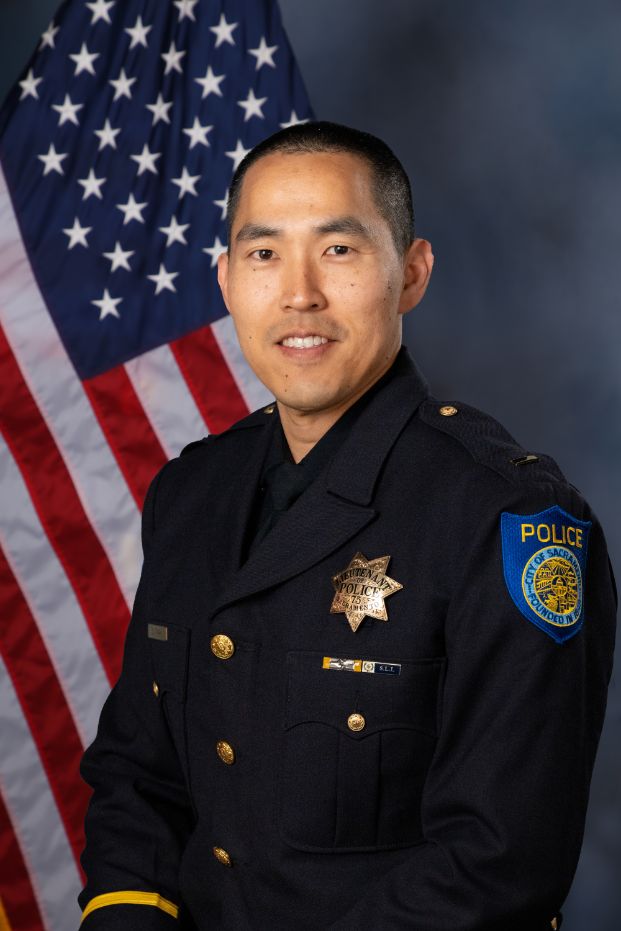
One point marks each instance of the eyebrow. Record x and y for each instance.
(345, 224)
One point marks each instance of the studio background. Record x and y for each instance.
(507, 118)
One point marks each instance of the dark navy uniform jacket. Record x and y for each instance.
(243, 781)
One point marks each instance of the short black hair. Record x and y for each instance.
(393, 195)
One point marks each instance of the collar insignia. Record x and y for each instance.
(361, 589)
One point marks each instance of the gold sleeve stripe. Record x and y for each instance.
(131, 898)
(4, 921)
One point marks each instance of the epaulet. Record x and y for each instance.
(489, 443)
(197, 444)
(256, 419)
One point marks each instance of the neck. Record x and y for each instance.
(303, 429)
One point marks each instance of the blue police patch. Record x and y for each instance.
(544, 560)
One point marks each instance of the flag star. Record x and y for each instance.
(197, 133)
(84, 60)
(48, 37)
(77, 234)
(107, 305)
(119, 258)
(223, 31)
(138, 33)
(160, 109)
(264, 54)
(132, 210)
(223, 204)
(29, 86)
(163, 280)
(107, 136)
(252, 106)
(67, 111)
(186, 8)
(237, 154)
(91, 185)
(293, 120)
(215, 251)
(122, 86)
(52, 160)
(186, 183)
(174, 232)
(211, 83)
(146, 160)
(100, 9)
(173, 59)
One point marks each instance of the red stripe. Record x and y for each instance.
(209, 379)
(44, 705)
(127, 429)
(16, 890)
(61, 514)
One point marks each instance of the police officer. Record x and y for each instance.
(366, 672)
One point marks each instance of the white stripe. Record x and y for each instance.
(35, 818)
(63, 403)
(254, 393)
(166, 399)
(51, 600)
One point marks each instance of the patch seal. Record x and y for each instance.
(546, 582)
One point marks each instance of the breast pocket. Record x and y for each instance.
(169, 646)
(356, 752)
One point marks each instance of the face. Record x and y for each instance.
(314, 282)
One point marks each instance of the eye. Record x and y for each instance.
(339, 250)
(263, 255)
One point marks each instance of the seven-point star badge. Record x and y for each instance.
(361, 590)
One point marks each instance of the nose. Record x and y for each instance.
(301, 287)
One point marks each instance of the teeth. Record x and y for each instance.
(303, 342)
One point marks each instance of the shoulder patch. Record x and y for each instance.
(544, 561)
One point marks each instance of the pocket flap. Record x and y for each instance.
(407, 700)
(169, 657)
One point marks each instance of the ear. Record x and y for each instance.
(223, 277)
(417, 266)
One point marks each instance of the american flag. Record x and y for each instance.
(116, 151)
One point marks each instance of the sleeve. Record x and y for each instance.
(140, 814)
(506, 794)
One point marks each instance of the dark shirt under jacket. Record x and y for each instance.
(247, 775)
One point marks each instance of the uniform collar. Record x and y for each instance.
(336, 507)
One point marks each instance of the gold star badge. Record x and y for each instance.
(361, 590)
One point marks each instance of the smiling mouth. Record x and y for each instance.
(303, 342)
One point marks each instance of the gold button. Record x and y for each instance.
(355, 722)
(156, 689)
(225, 752)
(448, 410)
(222, 856)
(554, 924)
(222, 646)
(269, 409)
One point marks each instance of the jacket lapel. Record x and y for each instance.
(337, 505)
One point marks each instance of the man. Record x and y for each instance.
(366, 673)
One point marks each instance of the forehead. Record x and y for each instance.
(311, 182)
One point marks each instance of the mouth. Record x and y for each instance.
(303, 342)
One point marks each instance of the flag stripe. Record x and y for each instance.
(61, 513)
(16, 892)
(59, 394)
(214, 389)
(165, 397)
(45, 708)
(51, 600)
(121, 416)
(35, 818)
(254, 393)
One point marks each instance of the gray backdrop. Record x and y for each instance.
(507, 117)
